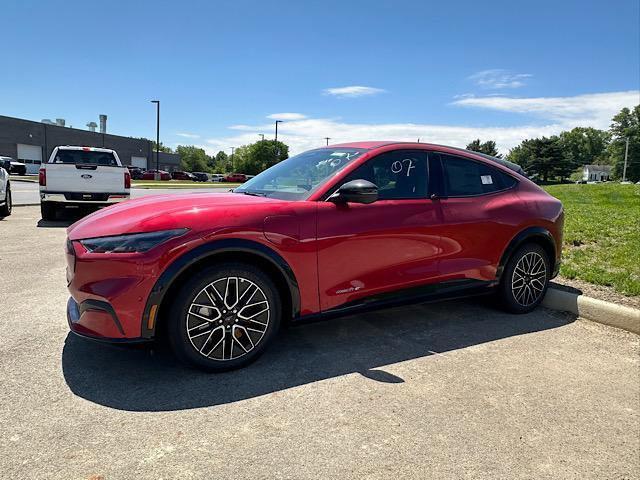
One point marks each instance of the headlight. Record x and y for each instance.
(136, 242)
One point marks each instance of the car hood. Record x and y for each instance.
(164, 212)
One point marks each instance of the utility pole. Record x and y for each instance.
(232, 150)
(262, 135)
(157, 102)
(277, 122)
(626, 154)
(327, 139)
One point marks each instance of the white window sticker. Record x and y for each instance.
(486, 179)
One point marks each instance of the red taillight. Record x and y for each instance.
(42, 177)
(127, 179)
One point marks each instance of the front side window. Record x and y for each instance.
(297, 177)
(399, 174)
(464, 177)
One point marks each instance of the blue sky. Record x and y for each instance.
(446, 72)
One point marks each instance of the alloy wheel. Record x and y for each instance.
(228, 318)
(529, 279)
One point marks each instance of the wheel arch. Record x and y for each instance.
(538, 235)
(245, 251)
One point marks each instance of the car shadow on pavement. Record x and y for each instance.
(64, 218)
(142, 379)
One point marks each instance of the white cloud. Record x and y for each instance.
(188, 135)
(594, 110)
(562, 113)
(498, 79)
(286, 116)
(352, 91)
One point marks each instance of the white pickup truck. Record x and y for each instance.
(5, 189)
(77, 176)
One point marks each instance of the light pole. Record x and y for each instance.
(327, 139)
(157, 174)
(626, 154)
(232, 150)
(277, 122)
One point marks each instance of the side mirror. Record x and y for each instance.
(356, 191)
(6, 164)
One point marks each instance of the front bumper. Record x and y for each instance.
(84, 198)
(97, 320)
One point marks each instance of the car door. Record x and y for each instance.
(393, 243)
(478, 216)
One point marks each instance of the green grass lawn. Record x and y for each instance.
(601, 234)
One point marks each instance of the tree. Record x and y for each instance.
(488, 147)
(192, 159)
(163, 148)
(542, 158)
(585, 146)
(222, 164)
(626, 124)
(254, 158)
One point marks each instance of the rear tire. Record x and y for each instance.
(48, 210)
(224, 317)
(7, 207)
(525, 279)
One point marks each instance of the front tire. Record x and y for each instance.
(525, 279)
(7, 207)
(224, 317)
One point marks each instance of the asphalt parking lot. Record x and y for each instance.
(448, 390)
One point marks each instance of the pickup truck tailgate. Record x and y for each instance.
(85, 178)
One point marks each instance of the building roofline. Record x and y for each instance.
(49, 125)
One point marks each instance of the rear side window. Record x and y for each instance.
(83, 157)
(464, 178)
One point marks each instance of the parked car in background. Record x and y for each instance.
(136, 172)
(217, 177)
(82, 176)
(179, 175)
(200, 177)
(5, 188)
(236, 178)
(151, 175)
(328, 232)
(15, 167)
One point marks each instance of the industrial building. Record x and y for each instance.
(32, 142)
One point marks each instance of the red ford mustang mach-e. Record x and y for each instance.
(330, 231)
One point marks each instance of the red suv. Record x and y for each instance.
(330, 231)
(236, 178)
(151, 175)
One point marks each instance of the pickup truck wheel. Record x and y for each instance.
(5, 209)
(48, 210)
(224, 317)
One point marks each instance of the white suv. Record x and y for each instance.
(5, 189)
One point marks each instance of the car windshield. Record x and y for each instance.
(298, 177)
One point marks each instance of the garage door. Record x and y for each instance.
(139, 162)
(31, 155)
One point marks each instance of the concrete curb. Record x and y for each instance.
(593, 309)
